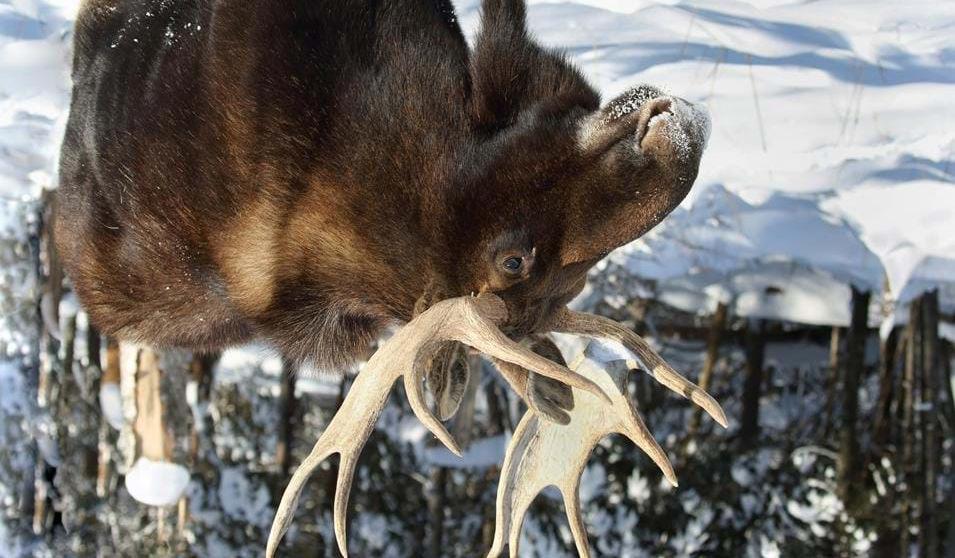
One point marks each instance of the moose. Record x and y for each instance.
(313, 172)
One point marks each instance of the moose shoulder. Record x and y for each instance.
(311, 171)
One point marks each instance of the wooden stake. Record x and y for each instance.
(832, 385)
(848, 463)
(152, 440)
(883, 407)
(111, 375)
(930, 402)
(909, 432)
(950, 399)
(436, 504)
(283, 450)
(753, 384)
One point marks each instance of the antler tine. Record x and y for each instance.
(636, 429)
(286, 510)
(346, 473)
(345, 435)
(470, 320)
(548, 398)
(515, 491)
(414, 388)
(575, 517)
(590, 325)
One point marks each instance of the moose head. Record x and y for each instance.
(550, 182)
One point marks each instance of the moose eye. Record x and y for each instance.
(513, 264)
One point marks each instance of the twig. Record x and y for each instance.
(759, 113)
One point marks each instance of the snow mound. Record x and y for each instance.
(156, 483)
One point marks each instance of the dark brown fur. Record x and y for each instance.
(305, 171)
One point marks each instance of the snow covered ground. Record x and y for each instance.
(34, 92)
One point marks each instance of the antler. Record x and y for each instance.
(471, 320)
(541, 453)
(544, 453)
(589, 325)
(544, 396)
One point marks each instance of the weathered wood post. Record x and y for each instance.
(753, 384)
(909, 431)
(49, 277)
(286, 403)
(155, 431)
(848, 464)
(110, 396)
(832, 380)
(883, 408)
(946, 357)
(928, 539)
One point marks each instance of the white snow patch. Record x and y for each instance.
(822, 507)
(638, 488)
(481, 454)
(111, 405)
(829, 144)
(243, 500)
(156, 483)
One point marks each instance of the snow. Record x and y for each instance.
(111, 405)
(241, 499)
(11, 388)
(34, 91)
(156, 483)
(15, 403)
(638, 488)
(822, 508)
(481, 454)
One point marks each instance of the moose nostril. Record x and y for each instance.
(653, 109)
(658, 107)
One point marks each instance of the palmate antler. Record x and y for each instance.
(540, 453)
(543, 453)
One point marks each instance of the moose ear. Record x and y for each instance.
(509, 14)
(643, 153)
(511, 73)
